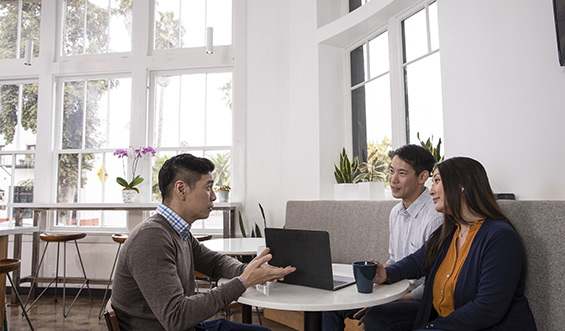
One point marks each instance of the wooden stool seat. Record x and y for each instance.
(120, 237)
(9, 265)
(60, 237)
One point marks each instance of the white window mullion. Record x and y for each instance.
(397, 92)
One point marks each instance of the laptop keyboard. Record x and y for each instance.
(338, 282)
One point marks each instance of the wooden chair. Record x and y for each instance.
(110, 317)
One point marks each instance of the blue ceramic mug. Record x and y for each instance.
(364, 273)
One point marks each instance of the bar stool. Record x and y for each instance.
(9, 265)
(120, 238)
(60, 238)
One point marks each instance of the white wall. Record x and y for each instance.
(504, 92)
(282, 112)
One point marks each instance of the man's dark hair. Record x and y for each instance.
(417, 156)
(185, 167)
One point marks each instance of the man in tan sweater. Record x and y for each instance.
(154, 286)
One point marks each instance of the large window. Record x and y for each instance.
(163, 90)
(193, 114)
(18, 125)
(375, 68)
(95, 121)
(19, 21)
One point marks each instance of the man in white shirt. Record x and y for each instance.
(411, 223)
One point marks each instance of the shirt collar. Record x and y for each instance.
(418, 204)
(178, 223)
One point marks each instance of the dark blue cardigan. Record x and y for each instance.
(489, 294)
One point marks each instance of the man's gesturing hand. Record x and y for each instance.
(259, 272)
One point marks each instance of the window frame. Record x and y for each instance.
(399, 111)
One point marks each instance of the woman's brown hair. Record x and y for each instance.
(465, 179)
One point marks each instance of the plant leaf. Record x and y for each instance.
(241, 226)
(257, 231)
(136, 181)
(263, 214)
(122, 182)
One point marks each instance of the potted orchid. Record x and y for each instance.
(130, 189)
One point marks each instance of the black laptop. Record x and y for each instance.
(309, 252)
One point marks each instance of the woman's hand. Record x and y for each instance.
(381, 273)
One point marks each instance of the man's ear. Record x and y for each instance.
(180, 189)
(423, 177)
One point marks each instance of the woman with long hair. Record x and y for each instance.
(473, 263)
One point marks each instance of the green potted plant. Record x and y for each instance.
(346, 176)
(435, 150)
(223, 192)
(372, 186)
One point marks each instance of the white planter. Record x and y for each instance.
(223, 196)
(371, 190)
(346, 192)
(128, 196)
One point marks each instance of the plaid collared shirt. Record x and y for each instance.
(180, 225)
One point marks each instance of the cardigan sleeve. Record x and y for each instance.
(483, 303)
(410, 267)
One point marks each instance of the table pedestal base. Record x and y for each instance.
(312, 320)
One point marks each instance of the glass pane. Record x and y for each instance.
(67, 178)
(8, 29)
(424, 99)
(219, 16)
(97, 110)
(193, 101)
(88, 218)
(434, 29)
(415, 36)
(73, 109)
(98, 20)
(193, 23)
(28, 133)
(91, 185)
(120, 26)
(31, 20)
(358, 67)
(75, 19)
(115, 167)
(378, 50)
(18, 116)
(167, 24)
(119, 113)
(167, 110)
(378, 110)
(222, 163)
(218, 110)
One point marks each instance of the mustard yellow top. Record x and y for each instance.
(448, 272)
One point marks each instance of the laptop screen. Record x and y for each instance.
(307, 250)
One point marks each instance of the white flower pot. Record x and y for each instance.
(223, 196)
(372, 190)
(346, 191)
(128, 196)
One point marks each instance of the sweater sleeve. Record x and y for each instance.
(484, 304)
(152, 264)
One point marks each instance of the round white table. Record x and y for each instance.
(235, 246)
(314, 301)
